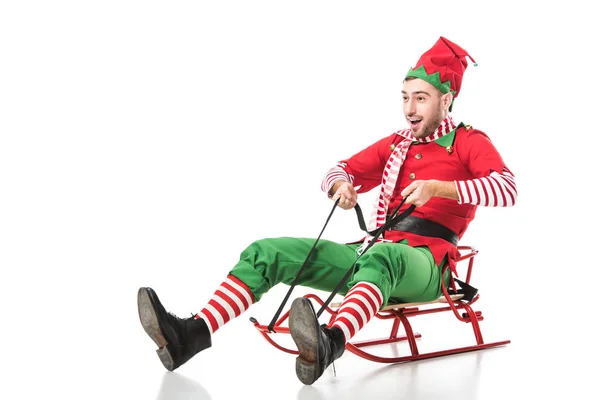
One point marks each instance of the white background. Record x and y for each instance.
(147, 143)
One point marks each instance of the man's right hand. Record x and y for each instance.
(346, 193)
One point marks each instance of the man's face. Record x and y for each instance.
(424, 106)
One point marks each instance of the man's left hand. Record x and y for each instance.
(419, 192)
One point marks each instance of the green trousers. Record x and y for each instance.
(402, 273)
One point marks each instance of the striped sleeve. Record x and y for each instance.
(364, 169)
(494, 190)
(335, 174)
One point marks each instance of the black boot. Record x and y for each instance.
(318, 346)
(178, 339)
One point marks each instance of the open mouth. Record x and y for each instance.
(414, 123)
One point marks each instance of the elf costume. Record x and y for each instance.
(405, 266)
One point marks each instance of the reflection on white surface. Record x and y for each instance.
(423, 379)
(310, 393)
(175, 386)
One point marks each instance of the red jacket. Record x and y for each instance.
(463, 154)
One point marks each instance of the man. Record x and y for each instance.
(443, 168)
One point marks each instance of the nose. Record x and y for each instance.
(410, 108)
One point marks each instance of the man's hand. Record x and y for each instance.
(346, 193)
(420, 192)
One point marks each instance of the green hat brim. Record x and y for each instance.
(434, 79)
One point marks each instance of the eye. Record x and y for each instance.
(421, 98)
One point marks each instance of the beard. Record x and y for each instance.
(431, 125)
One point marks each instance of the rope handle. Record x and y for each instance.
(361, 222)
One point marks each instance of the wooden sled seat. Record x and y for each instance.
(399, 314)
(442, 299)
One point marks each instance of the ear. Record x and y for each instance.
(447, 100)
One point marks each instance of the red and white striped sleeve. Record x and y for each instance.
(494, 190)
(335, 174)
(364, 169)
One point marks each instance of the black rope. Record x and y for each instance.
(361, 222)
(375, 233)
(287, 296)
(391, 221)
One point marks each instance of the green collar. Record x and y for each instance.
(447, 139)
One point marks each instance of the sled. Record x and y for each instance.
(452, 300)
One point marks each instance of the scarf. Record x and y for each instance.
(392, 170)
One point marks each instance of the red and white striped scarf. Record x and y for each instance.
(392, 169)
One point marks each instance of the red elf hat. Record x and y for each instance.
(442, 66)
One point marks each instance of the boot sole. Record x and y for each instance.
(149, 319)
(304, 330)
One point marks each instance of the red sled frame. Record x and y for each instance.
(399, 314)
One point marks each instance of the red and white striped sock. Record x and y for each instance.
(358, 307)
(231, 299)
